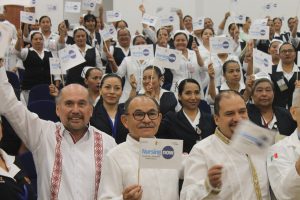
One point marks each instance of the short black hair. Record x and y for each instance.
(111, 75)
(129, 100)
(221, 95)
(34, 33)
(88, 72)
(138, 36)
(184, 82)
(187, 17)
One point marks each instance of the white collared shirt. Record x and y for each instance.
(288, 76)
(9, 162)
(196, 120)
(78, 161)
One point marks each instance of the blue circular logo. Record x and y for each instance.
(200, 22)
(72, 54)
(33, 2)
(116, 14)
(263, 32)
(268, 6)
(30, 18)
(240, 17)
(91, 5)
(172, 58)
(111, 31)
(168, 152)
(275, 5)
(75, 7)
(171, 18)
(266, 62)
(151, 20)
(146, 52)
(225, 45)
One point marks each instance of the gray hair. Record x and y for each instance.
(296, 97)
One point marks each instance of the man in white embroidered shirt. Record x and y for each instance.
(68, 154)
(283, 163)
(119, 179)
(214, 170)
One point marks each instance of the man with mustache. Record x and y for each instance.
(121, 177)
(214, 170)
(68, 154)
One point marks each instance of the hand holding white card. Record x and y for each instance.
(262, 61)
(160, 153)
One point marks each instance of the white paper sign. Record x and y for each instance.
(109, 32)
(259, 32)
(167, 20)
(88, 5)
(167, 58)
(174, 9)
(113, 16)
(239, 19)
(70, 57)
(72, 7)
(198, 24)
(221, 44)
(142, 52)
(149, 20)
(55, 67)
(160, 153)
(27, 17)
(260, 22)
(251, 139)
(52, 8)
(262, 61)
(5, 38)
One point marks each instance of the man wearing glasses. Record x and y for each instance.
(283, 163)
(285, 76)
(121, 177)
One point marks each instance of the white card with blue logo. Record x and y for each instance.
(259, 32)
(239, 19)
(198, 24)
(72, 7)
(250, 139)
(167, 58)
(113, 16)
(149, 19)
(167, 20)
(262, 22)
(221, 44)
(88, 5)
(142, 52)
(70, 57)
(160, 153)
(262, 61)
(27, 17)
(55, 68)
(109, 32)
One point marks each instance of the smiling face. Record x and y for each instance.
(45, 24)
(124, 37)
(232, 111)
(180, 41)
(37, 41)
(74, 109)
(111, 90)
(80, 38)
(263, 94)
(146, 128)
(190, 96)
(188, 22)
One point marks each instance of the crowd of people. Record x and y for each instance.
(111, 100)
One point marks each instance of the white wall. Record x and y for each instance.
(210, 8)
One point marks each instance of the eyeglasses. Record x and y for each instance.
(139, 115)
(287, 51)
